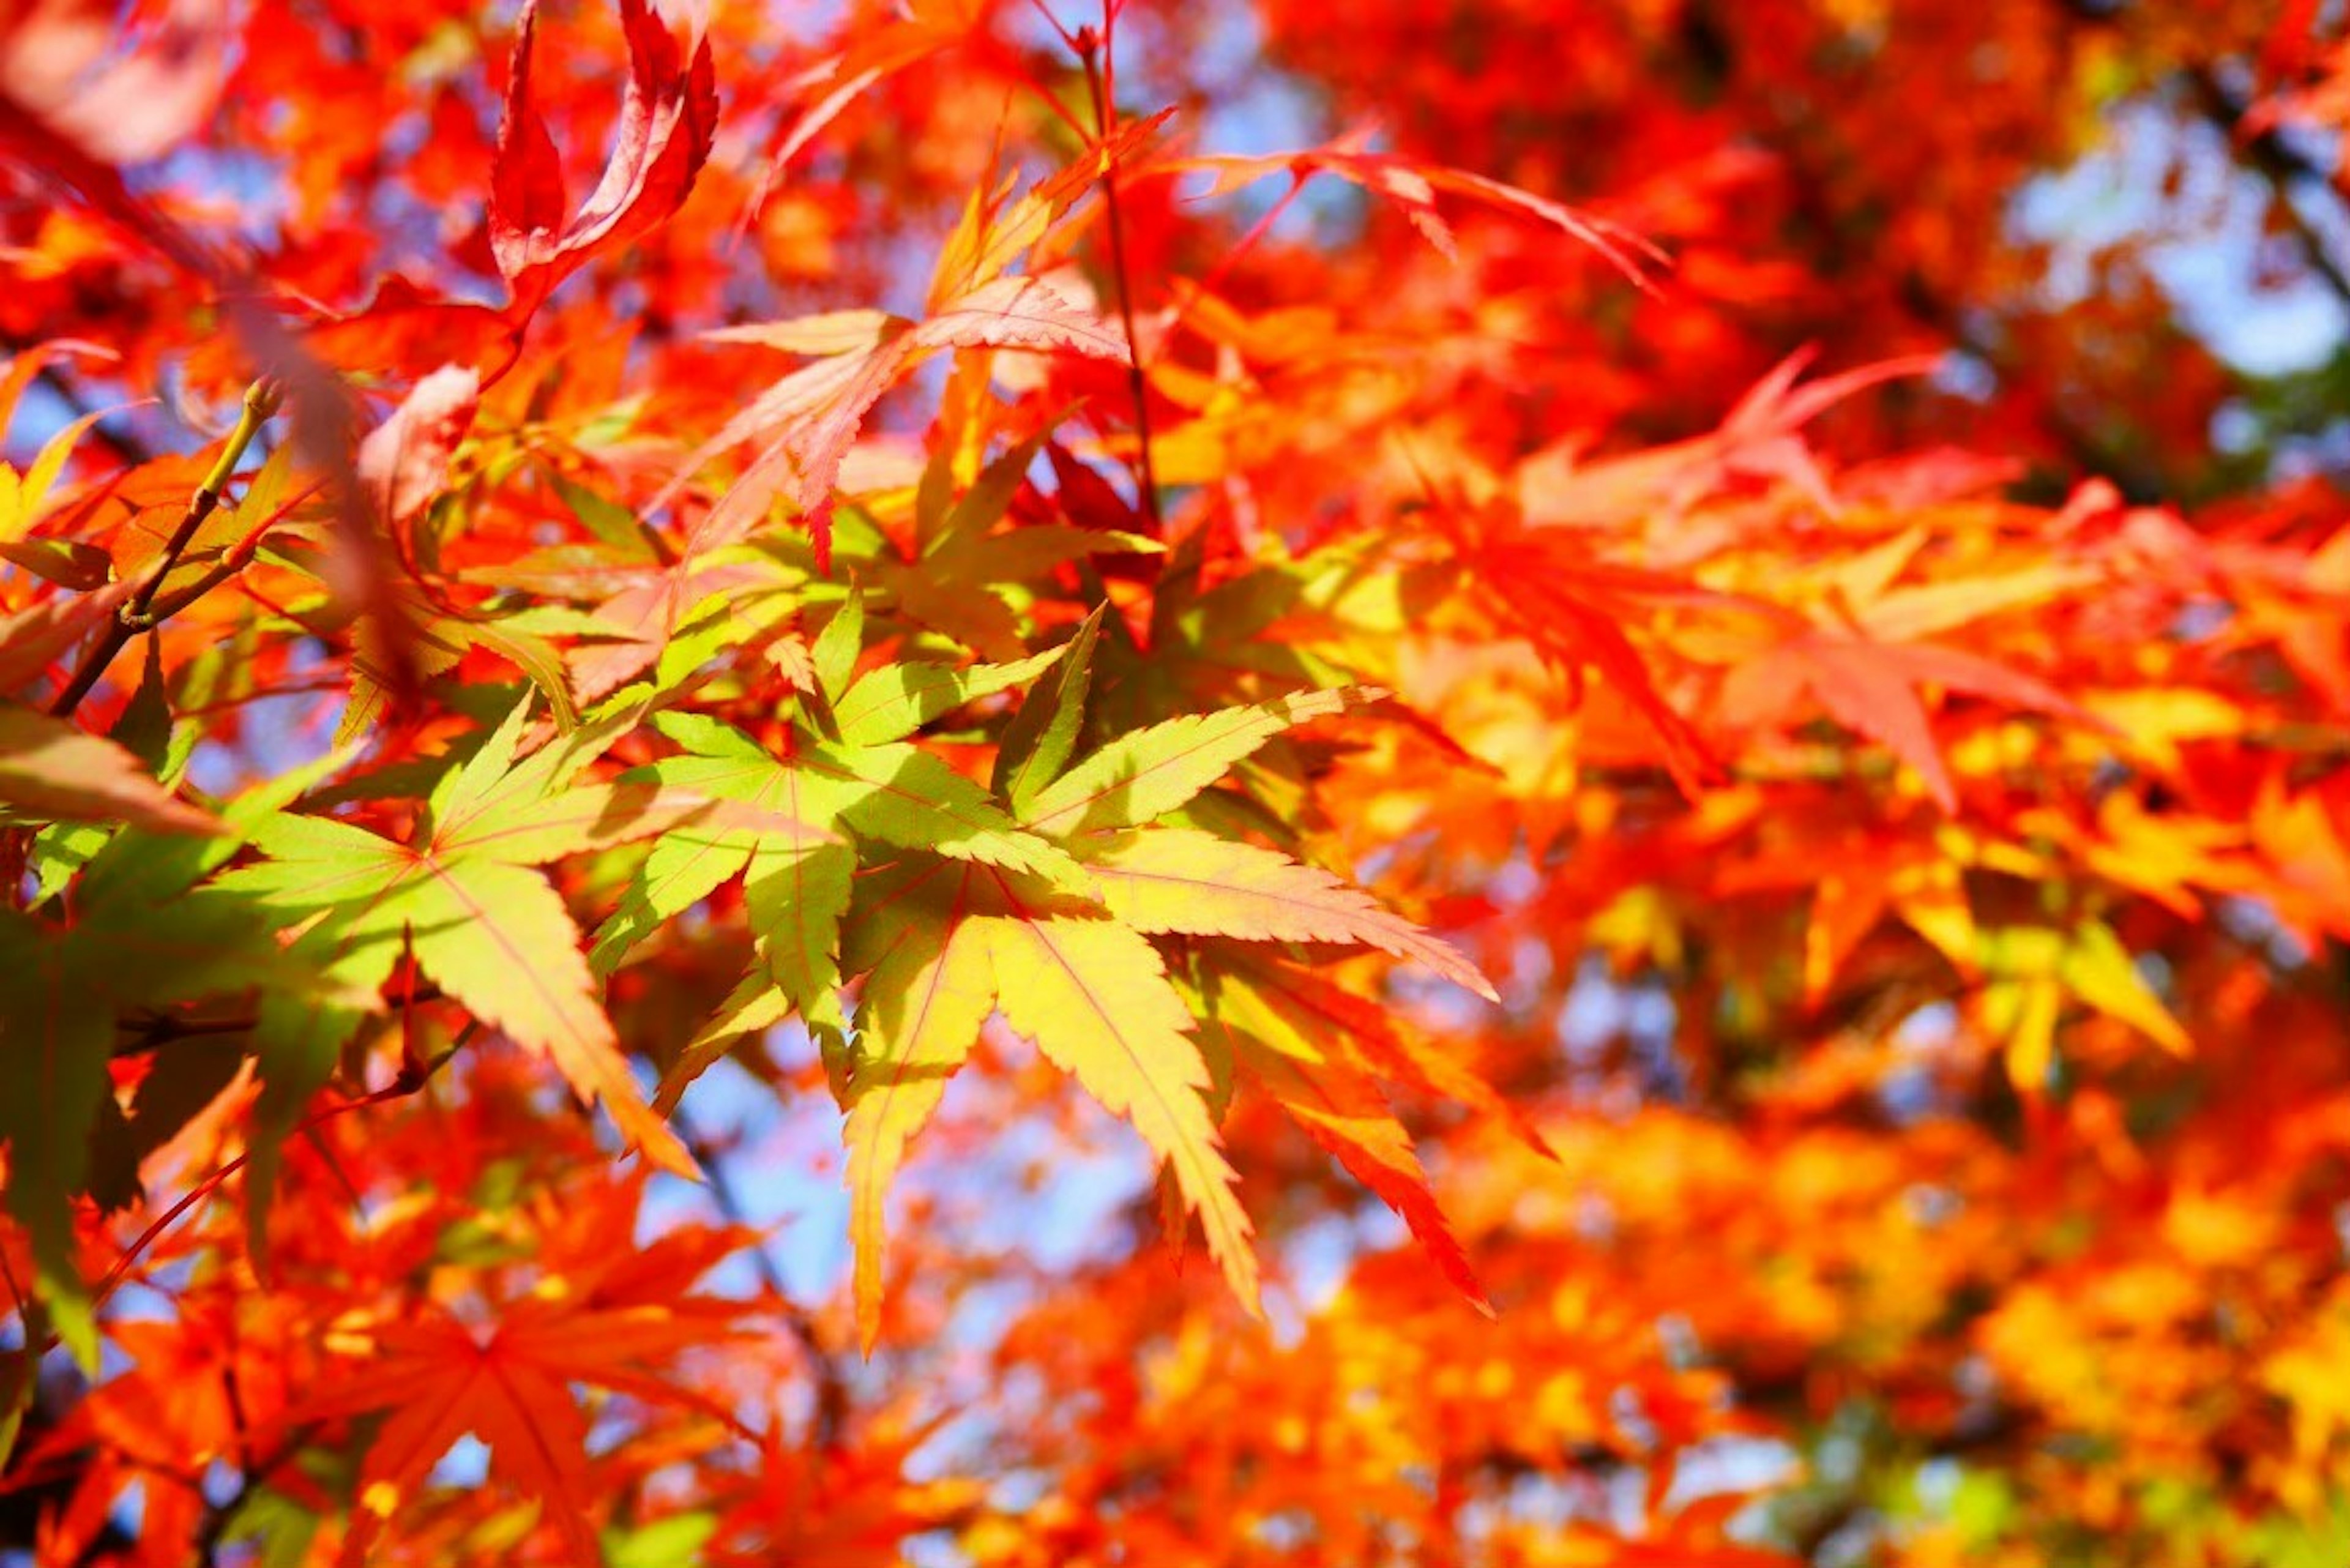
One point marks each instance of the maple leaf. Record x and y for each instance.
(2034, 969)
(493, 933)
(23, 497)
(613, 1325)
(668, 117)
(850, 1508)
(1173, 879)
(143, 936)
(55, 1055)
(50, 768)
(1574, 609)
(403, 461)
(1145, 773)
(896, 699)
(1760, 439)
(820, 92)
(920, 1011)
(38, 636)
(1041, 738)
(797, 881)
(1337, 1105)
(965, 550)
(1093, 996)
(810, 420)
(1382, 1044)
(796, 890)
(1412, 185)
(1749, 997)
(993, 234)
(432, 643)
(988, 563)
(1086, 984)
(1872, 687)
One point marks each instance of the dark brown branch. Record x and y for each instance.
(153, 1032)
(1089, 51)
(2276, 160)
(128, 448)
(261, 400)
(824, 1365)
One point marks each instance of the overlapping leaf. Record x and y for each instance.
(462, 900)
(436, 1378)
(886, 794)
(979, 915)
(808, 421)
(52, 769)
(1175, 879)
(144, 936)
(669, 118)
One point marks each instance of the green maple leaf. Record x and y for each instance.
(466, 901)
(147, 939)
(866, 788)
(893, 701)
(966, 941)
(942, 947)
(1145, 773)
(1179, 880)
(1043, 736)
(52, 770)
(920, 1013)
(953, 908)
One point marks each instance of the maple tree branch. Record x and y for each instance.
(155, 1031)
(2269, 154)
(234, 559)
(125, 446)
(2275, 160)
(407, 1084)
(831, 1417)
(1089, 45)
(262, 399)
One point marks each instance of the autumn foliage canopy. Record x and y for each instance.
(1455, 782)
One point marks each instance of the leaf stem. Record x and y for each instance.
(262, 399)
(1090, 46)
(400, 1088)
(831, 1389)
(238, 556)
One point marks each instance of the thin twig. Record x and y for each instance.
(831, 1387)
(234, 559)
(2284, 170)
(400, 1088)
(261, 400)
(156, 1030)
(127, 447)
(154, 1033)
(1091, 47)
